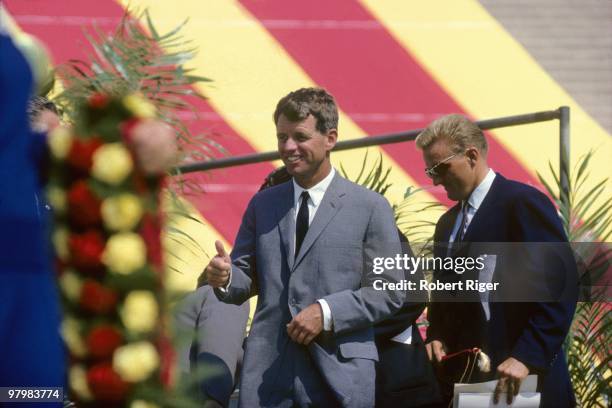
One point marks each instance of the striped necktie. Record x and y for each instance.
(463, 227)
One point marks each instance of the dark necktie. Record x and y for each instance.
(461, 232)
(301, 224)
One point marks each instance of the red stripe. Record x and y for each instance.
(59, 24)
(347, 51)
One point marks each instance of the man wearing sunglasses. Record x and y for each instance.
(520, 338)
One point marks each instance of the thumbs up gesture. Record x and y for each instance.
(218, 269)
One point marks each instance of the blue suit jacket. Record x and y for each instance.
(352, 225)
(532, 332)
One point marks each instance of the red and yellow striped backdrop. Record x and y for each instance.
(392, 65)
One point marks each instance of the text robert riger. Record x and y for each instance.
(423, 284)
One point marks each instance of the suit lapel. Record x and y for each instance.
(286, 214)
(442, 243)
(447, 229)
(329, 207)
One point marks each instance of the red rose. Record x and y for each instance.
(103, 340)
(151, 233)
(98, 100)
(80, 156)
(126, 127)
(97, 298)
(105, 384)
(83, 205)
(86, 250)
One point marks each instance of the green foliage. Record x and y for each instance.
(582, 219)
(587, 217)
(416, 229)
(142, 61)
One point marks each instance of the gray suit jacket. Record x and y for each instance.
(352, 225)
(209, 338)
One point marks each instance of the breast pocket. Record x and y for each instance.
(340, 266)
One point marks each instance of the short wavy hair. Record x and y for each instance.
(298, 105)
(458, 130)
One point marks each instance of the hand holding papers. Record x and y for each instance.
(481, 395)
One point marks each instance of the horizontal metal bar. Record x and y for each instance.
(368, 141)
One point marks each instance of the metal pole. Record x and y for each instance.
(564, 153)
(370, 141)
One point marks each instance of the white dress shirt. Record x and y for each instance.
(473, 203)
(316, 194)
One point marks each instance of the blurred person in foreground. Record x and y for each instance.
(31, 349)
(521, 338)
(305, 247)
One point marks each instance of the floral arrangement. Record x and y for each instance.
(104, 191)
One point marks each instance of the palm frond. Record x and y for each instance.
(587, 216)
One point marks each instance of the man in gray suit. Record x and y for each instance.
(209, 338)
(306, 248)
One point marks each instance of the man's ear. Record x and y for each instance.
(331, 137)
(473, 154)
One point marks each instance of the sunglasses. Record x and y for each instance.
(433, 171)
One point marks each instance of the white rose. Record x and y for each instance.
(124, 253)
(60, 140)
(78, 382)
(112, 163)
(71, 329)
(143, 404)
(140, 311)
(139, 106)
(136, 361)
(60, 243)
(57, 199)
(122, 212)
(71, 285)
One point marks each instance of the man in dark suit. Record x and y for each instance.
(520, 338)
(305, 247)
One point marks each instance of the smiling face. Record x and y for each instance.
(304, 150)
(457, 175)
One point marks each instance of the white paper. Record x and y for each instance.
(485, 400)
(486, 276)
(482, 393)
(404, 337)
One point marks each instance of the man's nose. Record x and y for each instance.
(289, 145)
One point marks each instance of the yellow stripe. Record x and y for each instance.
(490, 74)
(251, 73)
(184, 259)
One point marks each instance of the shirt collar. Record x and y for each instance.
(316, 192)
(480, 192)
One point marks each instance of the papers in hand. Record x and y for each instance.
(480, 395)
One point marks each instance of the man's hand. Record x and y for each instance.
(218, 269)
(306, 325)
(435, 348)
(512, 373)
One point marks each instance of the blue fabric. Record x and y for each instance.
(31, 352)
